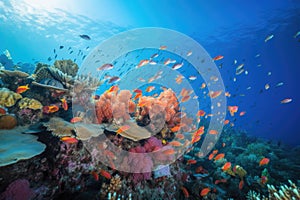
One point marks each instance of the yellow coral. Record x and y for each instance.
(240, 171)
(8, 98)
(30, 103)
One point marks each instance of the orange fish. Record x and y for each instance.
(242, 113)
(211, 156)
(50, 109)
(227, 94)
(219, 57)
(142, 63)
(123, 128)
(215, 151)
(175, 128)
(113, 88)
(138, 95)
(241, 184)
(226, 166)
(169, 152)
(22, 89)
(64, 104)
(105, 174)
(179, 136)
(69, 140)
(200, 113)
(219, 156)
(150, 88)
(214, 94)
(137, 91)
(204, 192)
(200, 131)
(95, 175)
(106, 66)
(163, 47)
(203, 85)
(195, 139)
(179, 79)
(232, 110)
(191, 161)
(185, 98)
(76, 119)
(264, 161)
(226, 122)
(185, 192)
(213, 132)
(175, 143)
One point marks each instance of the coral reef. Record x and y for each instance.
(8, 98)
(60, 128)
(85, 83)
(30, 103)
(16, 146)
(67, 66)
(8, 121)
(113, 106)
(114, 186)
(18, 190)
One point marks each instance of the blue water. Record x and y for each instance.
(31, 30)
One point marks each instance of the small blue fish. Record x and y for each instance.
(297, 34)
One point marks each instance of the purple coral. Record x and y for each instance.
(17, 190)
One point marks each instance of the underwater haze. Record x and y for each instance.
(253, 45)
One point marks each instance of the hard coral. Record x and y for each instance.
(8, 98)
(18, 190)
(30, 103)
(8, 121)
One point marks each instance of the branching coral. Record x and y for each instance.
(67, 67)
(114, 186)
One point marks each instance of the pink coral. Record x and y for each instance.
(113, 105)
(17, 190)
(138, 163)
(166, 103)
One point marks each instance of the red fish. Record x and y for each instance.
(264, 161)
(2, 111)
(219, 156)
(105, 174)
(50, 109)
(214, 94)
(200, 113)
(150, 88)
(204, 192)
(191, 162)
(175, 143)
(22, 89)
(69, 140)
(123, 128)
(76, 119)
(241, 184)
(219, 57)
(95, 175)
(64, 104)
(106, 66)
(142, 63)
(226, 166)
(232, 110)
(213, 132)
(169, 152)
(185, 192)
(263, 180)
(113, 88)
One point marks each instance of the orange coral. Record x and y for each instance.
(112, 105)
